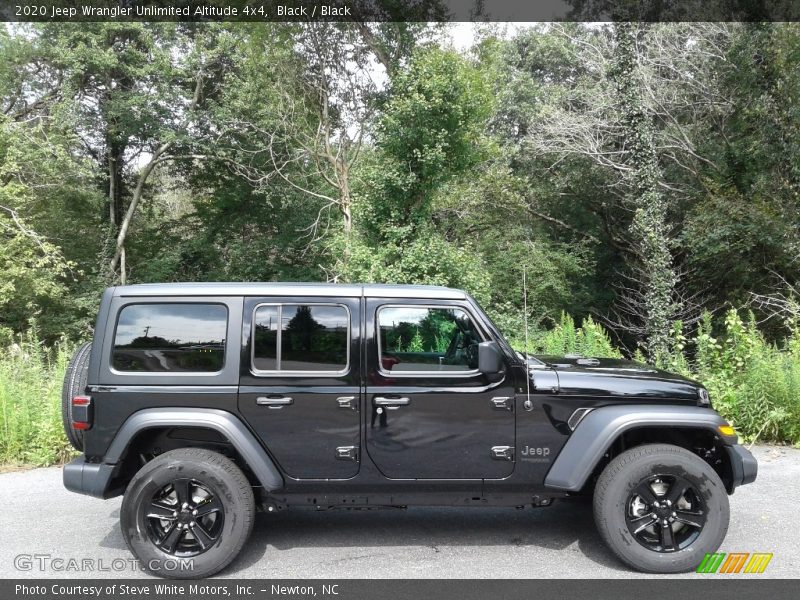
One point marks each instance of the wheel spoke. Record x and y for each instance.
(646, 493)
(202, 536)
(171, 538)
(677, 490)
(667, 539)
(693, 519)
(182, 491)
(641, 523)
(208, 506)
(159, 510)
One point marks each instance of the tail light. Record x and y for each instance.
(82, 412)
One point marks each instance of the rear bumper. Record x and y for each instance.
(91, 479)
(744, 467)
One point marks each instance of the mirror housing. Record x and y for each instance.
(490, 360)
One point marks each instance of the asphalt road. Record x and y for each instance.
(40, 517)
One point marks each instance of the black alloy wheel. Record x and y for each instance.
(187, 513)
(185, 518)
(661, 508)
(665, 513)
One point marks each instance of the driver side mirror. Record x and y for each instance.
(490, 361)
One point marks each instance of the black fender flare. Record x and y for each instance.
(599, 428)
(225, 423)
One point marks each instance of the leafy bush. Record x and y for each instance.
(589, 339)
(30, 403)
(753, 383)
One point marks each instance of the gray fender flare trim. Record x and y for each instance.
(598, 430)
(221, 421)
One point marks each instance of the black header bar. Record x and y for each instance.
(690, 585)
(399, 10)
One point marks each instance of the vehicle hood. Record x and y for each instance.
(612, 377)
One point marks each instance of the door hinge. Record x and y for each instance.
(503, 452)
(502, 403)
(347, 453)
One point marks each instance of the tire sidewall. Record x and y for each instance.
(610, 513)
(75, 379)
(134, 522)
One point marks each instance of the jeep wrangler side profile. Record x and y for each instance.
(203, 402)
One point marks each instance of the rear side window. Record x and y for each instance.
(301, 338)
(170, 338)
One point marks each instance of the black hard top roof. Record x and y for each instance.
(342, 290)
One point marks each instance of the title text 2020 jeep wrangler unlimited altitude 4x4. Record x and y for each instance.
(201, 402)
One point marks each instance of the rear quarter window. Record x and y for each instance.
(170, 338)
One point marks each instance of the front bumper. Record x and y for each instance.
(744, 467)
(91, 479)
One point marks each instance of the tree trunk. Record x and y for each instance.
(158, 156)
(650, 232)
(114, 161)
(137, 196)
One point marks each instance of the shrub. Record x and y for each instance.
(590, 339)
(30, 403)
(753, 383)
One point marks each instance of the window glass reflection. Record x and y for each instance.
(295, 337)
(427, 339)
(170, 338)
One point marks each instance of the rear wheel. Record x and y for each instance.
(187, 513)
(74, 385)
(661, 508)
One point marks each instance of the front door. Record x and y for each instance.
(431, 413)
(300, 383)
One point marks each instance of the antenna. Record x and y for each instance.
(525, 318)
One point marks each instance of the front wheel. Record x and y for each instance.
(187, 513)
(661, 508)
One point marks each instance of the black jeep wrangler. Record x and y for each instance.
(203, 402)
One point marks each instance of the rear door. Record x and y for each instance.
(300, 382)
(432, 414)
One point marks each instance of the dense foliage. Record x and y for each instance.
(638, 176)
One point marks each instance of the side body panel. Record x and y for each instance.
(116, 396)
(448, 427)
(317, 435)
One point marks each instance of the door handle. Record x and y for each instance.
(502, 403)
(274, 401)
(391, 403)
(346, 402)
(503, 452)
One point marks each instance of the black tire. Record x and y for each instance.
(621, 508)
(208, 472)
(74, 385)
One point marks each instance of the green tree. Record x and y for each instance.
(652, 300)
(430, 132)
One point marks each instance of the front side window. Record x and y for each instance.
(170, 338)
(427, 339)
(301, 337)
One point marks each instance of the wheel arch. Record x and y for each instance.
(229, 430)
(606, 431)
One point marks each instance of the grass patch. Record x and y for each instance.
(30, 403)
